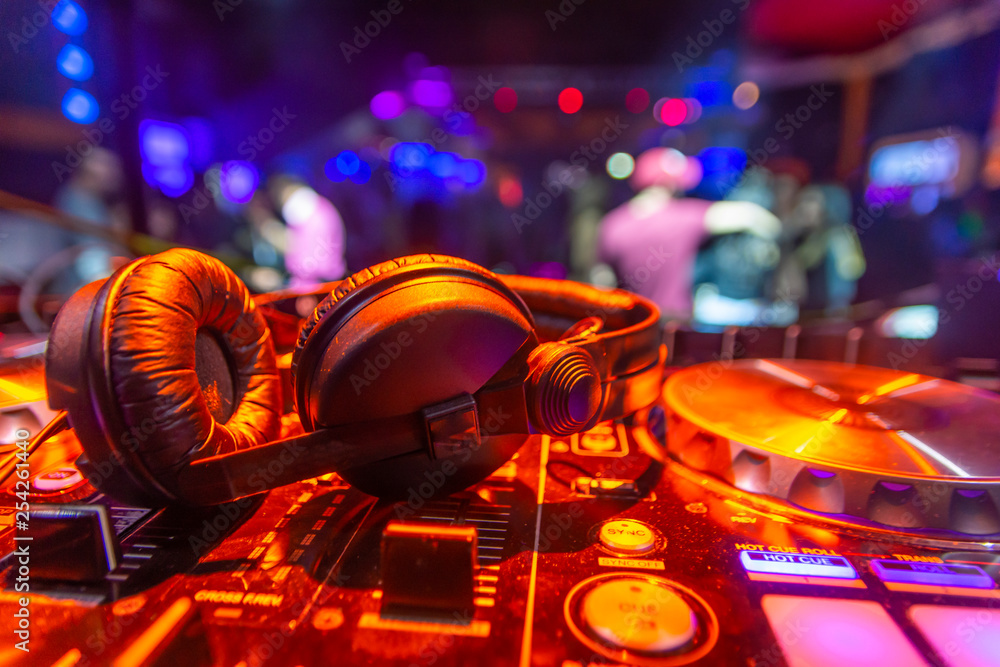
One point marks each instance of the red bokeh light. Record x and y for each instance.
(505, 99)
(673, 112)
(637, 100)
(570, 100)
(510, 191)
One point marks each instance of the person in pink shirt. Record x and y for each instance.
(652, 240)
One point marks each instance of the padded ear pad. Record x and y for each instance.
(180, 365)
(398, 337)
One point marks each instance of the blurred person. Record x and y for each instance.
(314, 243)
(740, 265)
(652, 240)
(92, 194)
(826, 259)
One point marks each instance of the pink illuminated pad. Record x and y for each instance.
(962, 636)
(823, 632)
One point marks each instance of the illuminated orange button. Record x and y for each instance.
(639, 615)
(627, 536)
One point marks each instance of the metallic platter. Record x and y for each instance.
(904, 450)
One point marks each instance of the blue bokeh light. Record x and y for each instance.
(172, 180)
(162, 143)
(75, 63)
(362, 174)
(348, 163)
(238, 180)
(332, 172)
(80, 106)
(442, 165)
(472, 172)
(69, 17)
(407, 156)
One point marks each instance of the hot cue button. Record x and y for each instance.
(639, 616)
(627, 536)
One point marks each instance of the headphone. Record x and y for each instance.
(421, 370)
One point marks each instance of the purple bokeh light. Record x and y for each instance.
(238, 180)
(387, 105)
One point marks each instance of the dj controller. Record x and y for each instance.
(763, 513)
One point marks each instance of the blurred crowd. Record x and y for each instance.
(777, 241)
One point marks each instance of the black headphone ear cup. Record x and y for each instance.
(176, 363)
(398, 337)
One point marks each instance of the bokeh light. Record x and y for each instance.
(80, 106)
(472, 172)
(673, 112)
(746, 95)
(332, 172)
(75, 63)
(443, 165)
(505, 99)
(387, 105)
(694, 110)
(363, 174)
(430, 93)
(348, 163)
(620, 165)
(637, 100)
(570, 100)
(69, 17)
(162, 143)
(510, 191)
(238, 180)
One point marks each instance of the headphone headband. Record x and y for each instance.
(625, 341)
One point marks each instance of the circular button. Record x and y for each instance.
(639, 615)
(59, 479)
(627, 536)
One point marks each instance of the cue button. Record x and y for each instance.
(639, 615)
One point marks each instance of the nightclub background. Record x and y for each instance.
(777, 443)
(301, 141)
